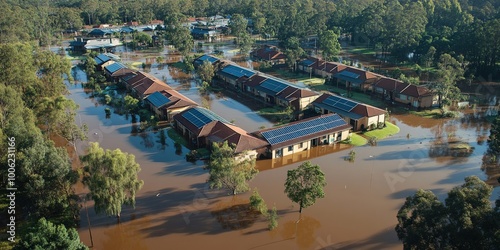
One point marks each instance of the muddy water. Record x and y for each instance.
(176, 210)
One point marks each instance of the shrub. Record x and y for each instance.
(257, 203)
(273, 219)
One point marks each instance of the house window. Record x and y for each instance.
(403, 97)
(301, 145)
(290, 148)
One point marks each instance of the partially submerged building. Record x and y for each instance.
(305, 134)
(360, 116)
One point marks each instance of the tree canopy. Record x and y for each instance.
(465, 221)
(48, 236)
(111, 176)
(305, 184)
(226, 171)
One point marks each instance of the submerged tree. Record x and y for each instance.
(206, 71)
(228, 172)
(305, 184)
(329, 45)
(46, 235)
(111, 176)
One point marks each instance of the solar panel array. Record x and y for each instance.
(200, 117)
(157, 99)
(273, 85)
(112, 68)
(307, 62)
(102, 58)
(340, 103)
(211, 59)
(349, 74)
(238, 71)
(301, 129)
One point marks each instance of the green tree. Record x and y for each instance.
(494, 139)
(131, 104)
(238, 25)
(293, 52)
(329, 45)
(48, 236)
(257, 203)
(182, 40)
(305, 184)
(466, 221)
(111, 176)
(273, 219)
(206, 72)
(143, 39)
(422, 222)
(244, 42)
(228, 172)
(450, 70)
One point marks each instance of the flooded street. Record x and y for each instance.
(176, 210)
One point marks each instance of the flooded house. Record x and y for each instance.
(397, 91)
(360, 116)
(303, 135)
(116, 70)
(167, 103)
(269, 53)
(102, 60)
(354, 78)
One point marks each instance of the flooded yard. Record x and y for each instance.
(176, 210)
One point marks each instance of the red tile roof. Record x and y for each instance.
(388, 84)
(234, 135)
(416, 91)
(292, 93)
(367, 110)
(268, 53)
(255, 80)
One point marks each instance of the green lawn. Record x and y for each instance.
(362, 50)
(433, 113)
(176, 137)
(389, 130)
(358, 140)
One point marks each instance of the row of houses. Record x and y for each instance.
(158, 97)
(392, 90)
(201, 127)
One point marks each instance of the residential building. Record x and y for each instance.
(303, 135)
(270, 54)
(396, 91)
(360, 116)
(167, 103)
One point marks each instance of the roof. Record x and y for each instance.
(101, 58)
(198, 120)
(307, 62)
(158, 99)
(237, 71)
(234, 135)
(346, 107)
(388, 84)
(416, 91)
(127, 29)
(304, 130)
(255, 80)
(100, 32)
(293, 93)
(272, 86)
(349, 76)
(211, 59)
(268, 52)
(112, 68)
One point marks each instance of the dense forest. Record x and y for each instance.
(416, 30)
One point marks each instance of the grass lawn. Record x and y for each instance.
(287, 75)
(179, 65)
(433, 113)
(389, 130)
(362, 50)
(136, 65)
(272, 111)
(358, 140)
(176, 137)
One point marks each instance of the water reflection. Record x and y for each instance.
(314, 152)
(302, 230)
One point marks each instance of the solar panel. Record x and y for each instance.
(340, 103)
(238, 71)
(112, 68)
(157, 99)
(349, 74)
(301, 129)
(273, 85)
(211, 59)
(200, 117)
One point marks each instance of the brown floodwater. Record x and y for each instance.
(176, 210)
